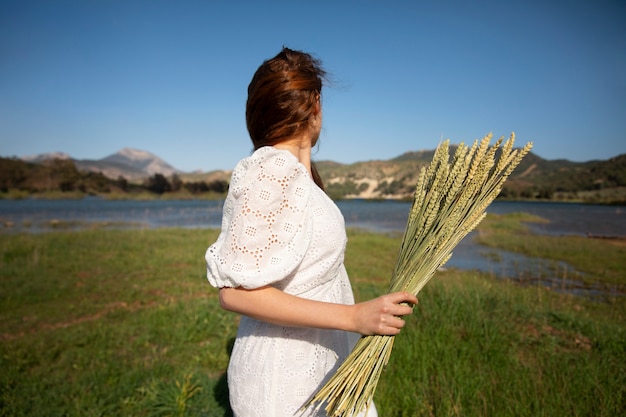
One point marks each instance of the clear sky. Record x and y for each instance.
(89, 77)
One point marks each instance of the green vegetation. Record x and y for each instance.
(110, 322)
(59, 178)
(338, 190)
(476, 347)
(58, 175)
(601, 182)
(596, 182)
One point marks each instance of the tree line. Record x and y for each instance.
(61, 175)
(535, 179)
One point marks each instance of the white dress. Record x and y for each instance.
(280, 229)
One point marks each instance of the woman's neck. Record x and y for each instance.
(299, 148)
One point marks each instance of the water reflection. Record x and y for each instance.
(558, 276)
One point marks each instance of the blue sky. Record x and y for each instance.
(89, 77)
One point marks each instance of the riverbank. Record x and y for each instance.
(123, 322)
(135, 196)
(610, 197)
(598, 262)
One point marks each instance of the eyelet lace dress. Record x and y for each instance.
(280, 229)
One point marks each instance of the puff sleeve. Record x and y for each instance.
(266, 229)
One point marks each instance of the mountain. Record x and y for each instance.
(37, 159)
(592, 181)
(132, 164)
(394, 178)
(141, 160)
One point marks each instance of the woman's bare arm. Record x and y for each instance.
(378, 316)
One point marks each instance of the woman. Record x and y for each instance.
(279, 258)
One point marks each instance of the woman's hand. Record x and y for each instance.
(382, 315)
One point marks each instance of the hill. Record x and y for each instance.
(535, 177)
(599, 181)
(131, 164)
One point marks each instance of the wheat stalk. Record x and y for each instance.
(450, 200)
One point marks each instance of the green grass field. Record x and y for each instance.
(124, 323)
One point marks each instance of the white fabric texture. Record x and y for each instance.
(280, 229)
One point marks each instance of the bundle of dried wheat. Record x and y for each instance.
(450, 200)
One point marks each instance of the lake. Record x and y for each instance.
(35, 216)
(380, 216)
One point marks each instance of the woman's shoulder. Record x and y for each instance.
(268, 161)
(269, 155)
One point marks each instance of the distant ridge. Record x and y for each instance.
(132, 164)
(144, 161)
(45, 157)
(535, 177)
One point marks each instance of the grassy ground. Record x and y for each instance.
(124, 323)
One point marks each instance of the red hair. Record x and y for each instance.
(282, 98)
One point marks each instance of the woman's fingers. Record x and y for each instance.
(390, 325)
(383, 315)
(403, 297)
(399, 303)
